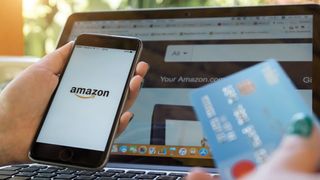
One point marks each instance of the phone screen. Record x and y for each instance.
(84, 107)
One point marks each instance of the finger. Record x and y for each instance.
(56, 60)
(142, 69)
(134, 88)
(124, 121)
(197, 174)
(299, 150)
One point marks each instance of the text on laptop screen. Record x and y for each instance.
(190, 52)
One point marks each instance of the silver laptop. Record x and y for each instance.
(186, 49)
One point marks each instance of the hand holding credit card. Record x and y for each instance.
(244, 116)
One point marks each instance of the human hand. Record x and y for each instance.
(297, 157)
(25, 98)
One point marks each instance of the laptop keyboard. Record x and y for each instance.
(41, 172)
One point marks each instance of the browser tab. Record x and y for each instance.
(257, 27)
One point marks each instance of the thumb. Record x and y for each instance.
(299, 150)
(55, 61)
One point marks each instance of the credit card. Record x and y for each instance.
(245, 115)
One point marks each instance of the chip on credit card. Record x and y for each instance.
(245, 115)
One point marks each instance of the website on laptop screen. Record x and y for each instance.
(188, 53)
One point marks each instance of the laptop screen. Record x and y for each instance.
(186, 53)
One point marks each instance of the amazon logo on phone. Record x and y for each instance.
(86, 93)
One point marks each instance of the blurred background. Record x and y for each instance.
(32, 27)
(44, 19)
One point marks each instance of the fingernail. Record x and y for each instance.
(131, 117)
(302, 125)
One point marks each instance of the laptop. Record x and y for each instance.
(186, 49)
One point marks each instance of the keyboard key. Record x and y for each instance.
(106, 178)
(115, 170)
(56, 168)
(157, 173)
(26, 174)
(45, 175)
(135, 172)
(8, 173)
(39, 166)
(65, 176)
(66, 171)
(29, 169)
(124, 175)
(47, 170)
(178, 174)
(167, 178)
(105, 174)
(2, 177)
(85, 177)
(146, 176)
(85, 173)
(20, 178)
(10, 168)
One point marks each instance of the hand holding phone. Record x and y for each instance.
(80, 122)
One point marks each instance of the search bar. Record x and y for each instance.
(239, 52)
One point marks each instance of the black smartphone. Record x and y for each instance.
(81, 119)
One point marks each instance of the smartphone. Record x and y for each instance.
(80, 122)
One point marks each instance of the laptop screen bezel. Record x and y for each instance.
(175, 13)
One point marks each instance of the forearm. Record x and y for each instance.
(7, 142)
(10, 152)
(12, 147)
(17, 124)
(4, 147)
(5, 155)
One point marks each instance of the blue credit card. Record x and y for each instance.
(245, 115)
